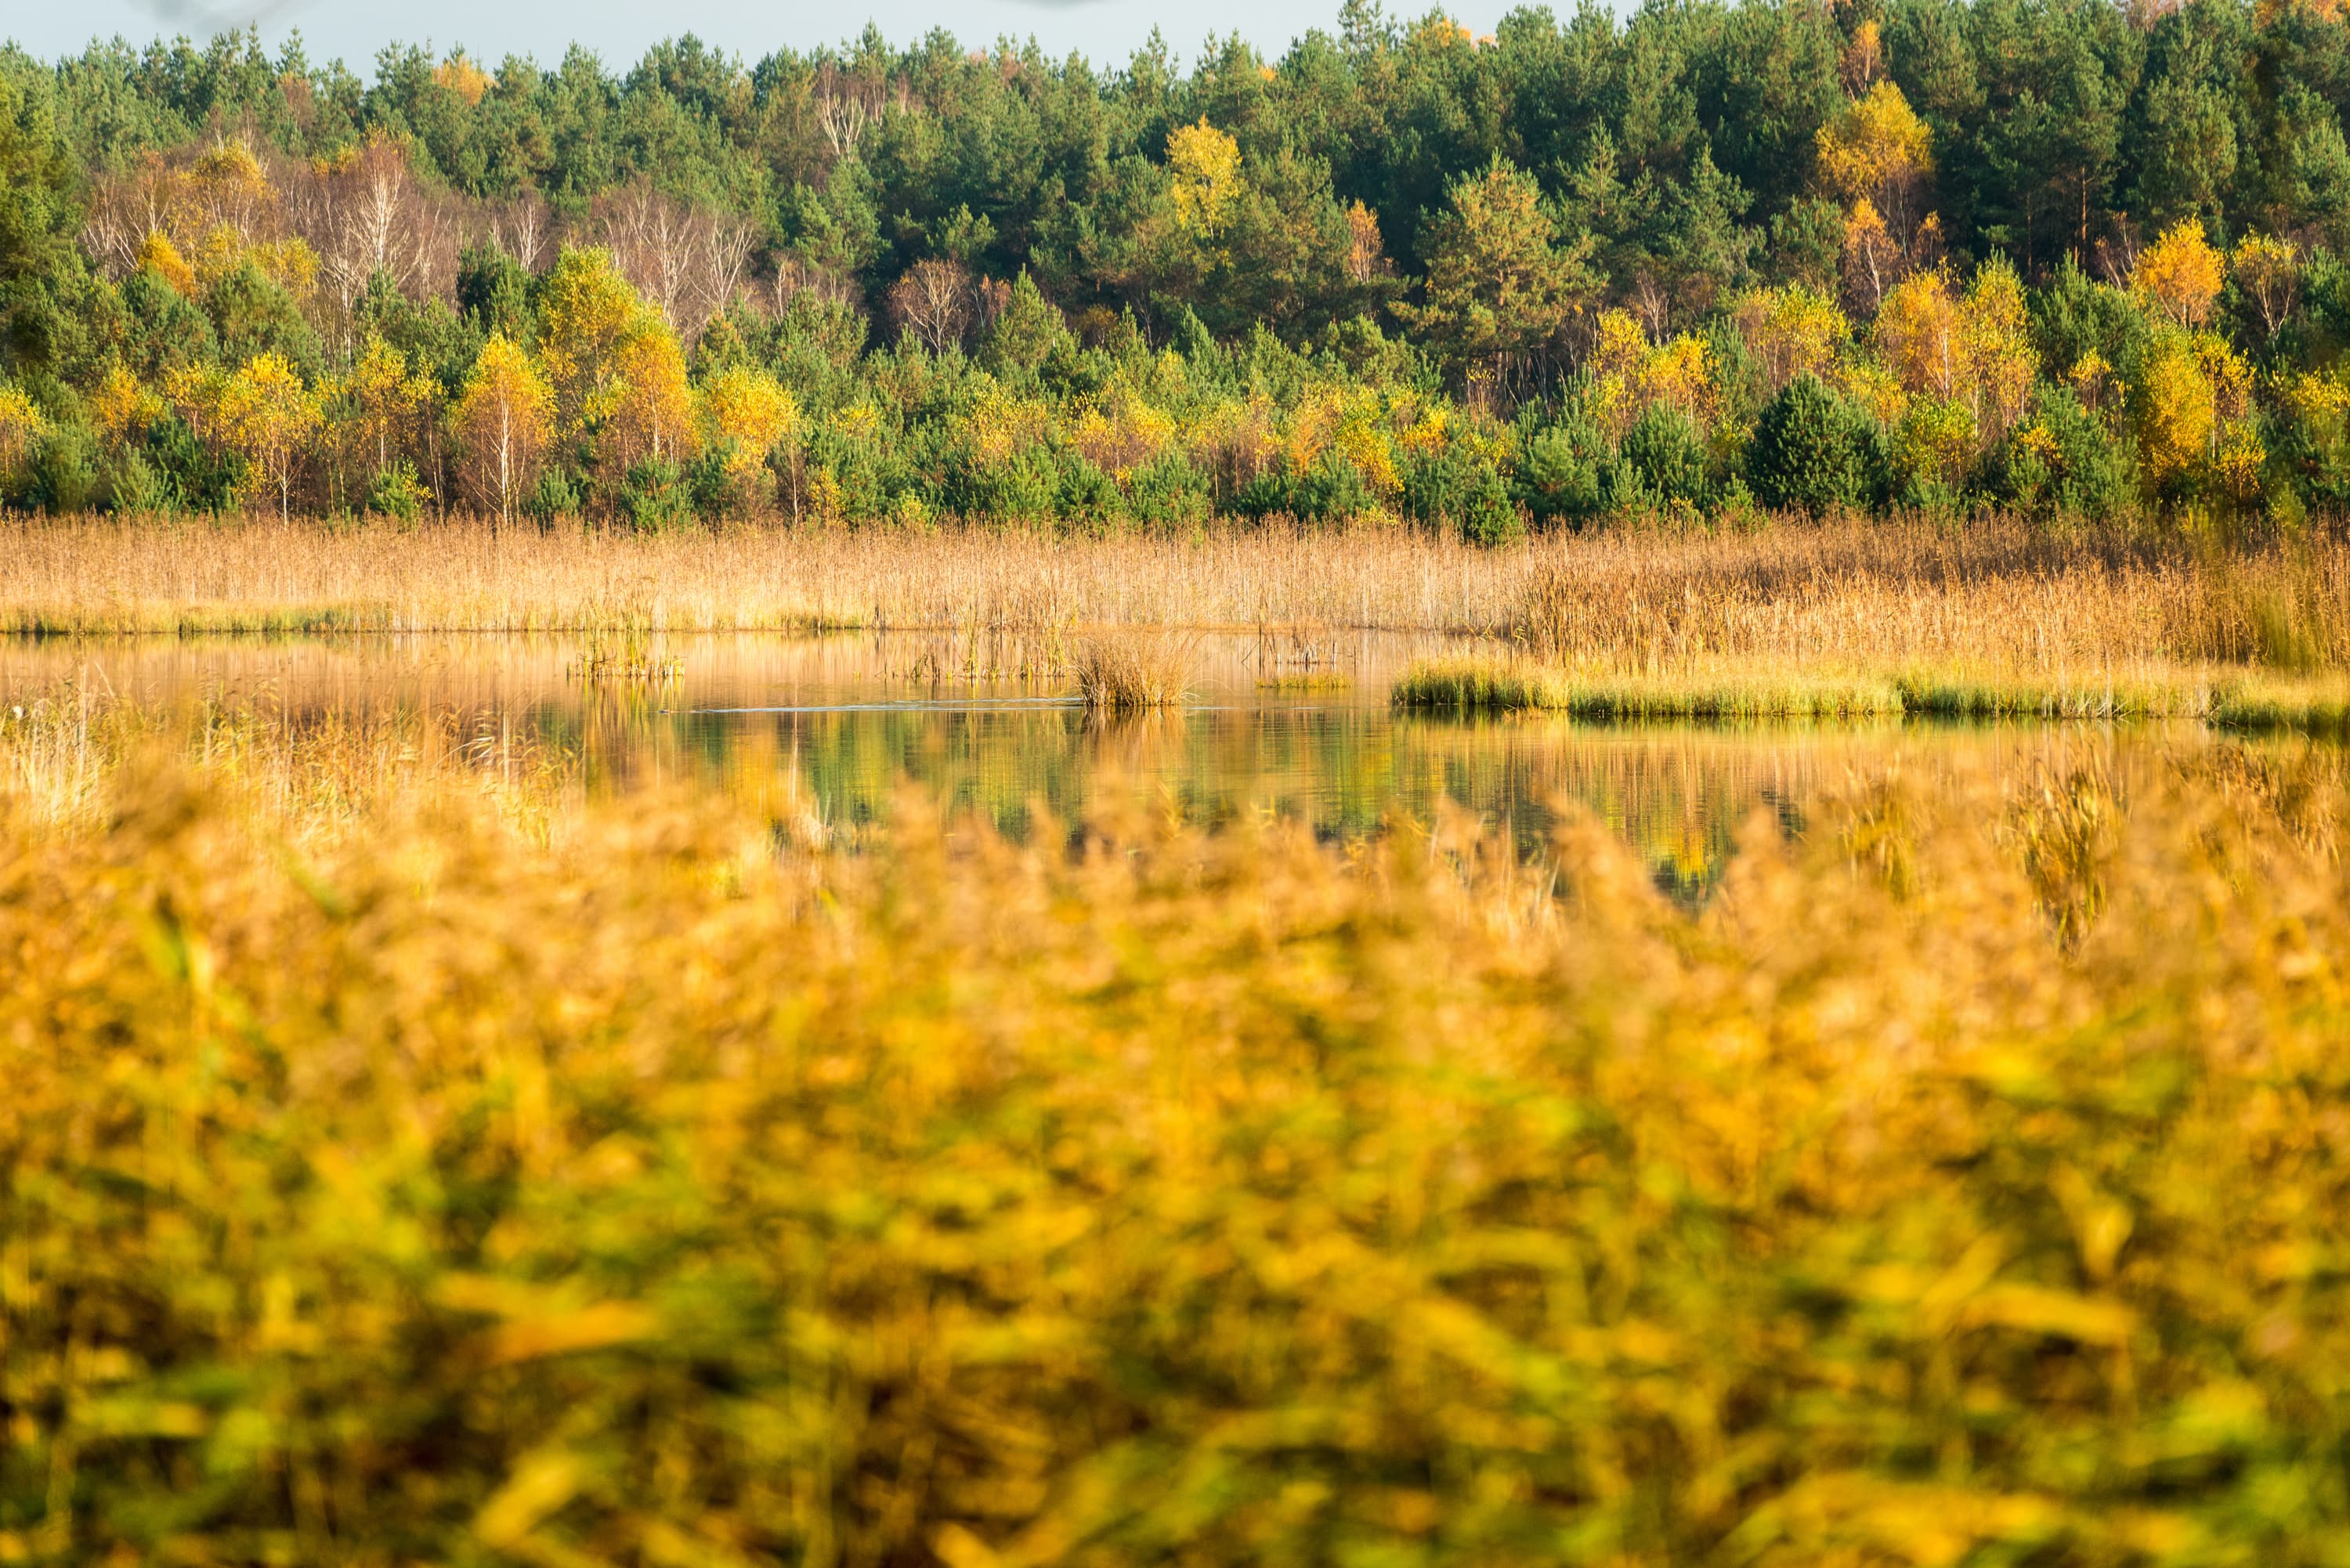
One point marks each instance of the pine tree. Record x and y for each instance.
(1500, 286)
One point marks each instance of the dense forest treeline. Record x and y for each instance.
(2047, 253)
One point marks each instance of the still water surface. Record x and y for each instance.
(1299, 729)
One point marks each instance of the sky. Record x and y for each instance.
(1106, 31)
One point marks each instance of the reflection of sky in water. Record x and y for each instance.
(851, 717)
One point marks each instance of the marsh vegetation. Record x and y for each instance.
(392, 1177)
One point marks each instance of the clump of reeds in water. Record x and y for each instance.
(1298, 656)
(1004, 637)
(1130, 671)
(626, 650)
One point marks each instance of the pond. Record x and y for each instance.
(1299, 727)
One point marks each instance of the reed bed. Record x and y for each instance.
(100, 577)
(1993, 593)
(309, 776)
(1963, 1184)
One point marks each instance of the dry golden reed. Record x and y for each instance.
(1134, 669)
(1963, 1184)
(1997, 592)
(310, 775)
(99, 576)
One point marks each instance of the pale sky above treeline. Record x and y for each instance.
(1106, 31)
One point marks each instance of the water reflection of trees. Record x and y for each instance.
(1680, 795)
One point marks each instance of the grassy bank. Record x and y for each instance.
(1962, 1184)
(1501, 684)
(2224, 696)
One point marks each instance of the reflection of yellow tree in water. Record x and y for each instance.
(1136, 748)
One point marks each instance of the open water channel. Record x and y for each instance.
(1301, 727)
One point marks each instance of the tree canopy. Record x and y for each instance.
(1383, 252)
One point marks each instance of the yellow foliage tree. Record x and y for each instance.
(2179, 275)
(1864, 58)
(2002, 361)
(267, 414)
(461, 76)
(387, 397)
(1935, 438)
(1629, 373)
(2320, 402)
(1873, 258)
(195, 392)
(1366, 257)
(1119, 431)
(289, 262)
(504, 416)
(2093, 381)
(2268, 269)
(158, 253)
(587, 308)
(1877, 146)
(1366, 438)
(226, 188)
(1918, 333)
(1618, 350)
(1870, 385)
(1206, 165)
(122, 406)
(752, 410)
(22, 426)
(194, 222)
(2194, 406)
(1793, 331)
(1681, 373)
(653, 402)
(1876, 155)
(1976, 349)
(215, 255)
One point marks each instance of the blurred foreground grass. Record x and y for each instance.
(1964, 1184)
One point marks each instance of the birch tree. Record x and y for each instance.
(504, 416)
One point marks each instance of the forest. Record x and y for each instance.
(2055, 257)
